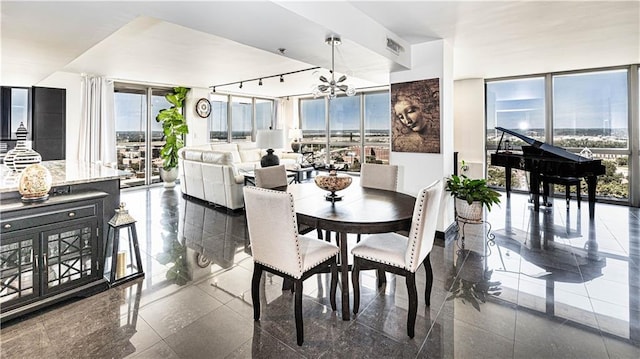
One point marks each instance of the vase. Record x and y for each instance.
(169, 177)
(21, 156)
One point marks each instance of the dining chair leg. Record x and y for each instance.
(319, 233)
(334, 285)
(355, 279)
(382, 278)
(255, 290)
(427, 289)
(298, 311)
(413, 304)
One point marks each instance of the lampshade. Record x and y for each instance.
(270, 139)
(295, 133)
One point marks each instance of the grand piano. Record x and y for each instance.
(542, 159)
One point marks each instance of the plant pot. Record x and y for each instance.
(169, 177)
(469, 212)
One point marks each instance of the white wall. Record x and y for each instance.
(198, 134)
(72, 83)
(417, 170)
(469, 123)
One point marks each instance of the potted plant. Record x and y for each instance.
(471, 195)
(174, 127)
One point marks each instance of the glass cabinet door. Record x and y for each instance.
(18, 268)
(69, 254)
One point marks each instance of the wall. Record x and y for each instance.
(468, 123)
(417, 170)
(72, 83)
(198, 134)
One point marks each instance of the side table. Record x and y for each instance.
(301, 173)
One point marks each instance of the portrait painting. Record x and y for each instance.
(415, 116)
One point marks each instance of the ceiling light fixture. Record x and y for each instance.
(260, 82)
(330, 86)
(281, 78)
(240, 84)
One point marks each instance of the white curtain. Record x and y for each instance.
(97, 142)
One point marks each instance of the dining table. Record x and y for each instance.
(360, 211)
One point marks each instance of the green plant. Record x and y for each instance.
(472, 190)
(174, 127)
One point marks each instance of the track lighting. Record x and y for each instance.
(259, 79)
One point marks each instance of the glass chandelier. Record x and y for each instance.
(329, 87)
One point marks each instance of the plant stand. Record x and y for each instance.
(460, 228)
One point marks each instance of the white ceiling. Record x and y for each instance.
(204, 43)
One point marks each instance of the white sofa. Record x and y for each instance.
(214, 172)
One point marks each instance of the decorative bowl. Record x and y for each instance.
(333, 183)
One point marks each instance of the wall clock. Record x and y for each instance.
(203, 107)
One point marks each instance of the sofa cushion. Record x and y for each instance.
(250, 155)
(218, 157)
(246, 145)
(228, 147)
(192, 155)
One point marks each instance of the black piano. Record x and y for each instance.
(542, 159)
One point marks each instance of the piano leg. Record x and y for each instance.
(592, 181)
(534, 178)
(507, 178)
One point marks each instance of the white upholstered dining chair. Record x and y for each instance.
(277, 248)
(402, 255)
(271, 177)
(379, 176)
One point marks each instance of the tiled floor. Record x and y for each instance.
(551, 284)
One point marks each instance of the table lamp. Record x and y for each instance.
(270, 139)
(295, 134)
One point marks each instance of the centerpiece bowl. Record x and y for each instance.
(333, 183)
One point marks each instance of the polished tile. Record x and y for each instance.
(551, 284)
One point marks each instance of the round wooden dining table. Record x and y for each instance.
(361, 211)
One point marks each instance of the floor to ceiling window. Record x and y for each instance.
(237, 118)
(518, 105)
(347, 119)
(138, 136)
(217, 121)
(587, 111)
(590, 111)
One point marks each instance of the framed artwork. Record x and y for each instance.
(415, 116)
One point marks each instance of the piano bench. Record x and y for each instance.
(567, 182)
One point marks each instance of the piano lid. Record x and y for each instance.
(558, 151)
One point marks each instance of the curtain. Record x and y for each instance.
(97, 140)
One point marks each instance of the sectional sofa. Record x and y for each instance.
(214, 172)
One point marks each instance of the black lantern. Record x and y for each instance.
(119, 265)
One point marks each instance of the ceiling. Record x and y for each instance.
(206, 43)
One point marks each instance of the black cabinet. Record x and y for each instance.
(48, 129)
(50, 251)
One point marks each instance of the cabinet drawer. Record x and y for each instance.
(29, 221)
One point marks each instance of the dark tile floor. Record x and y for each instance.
(551, 284)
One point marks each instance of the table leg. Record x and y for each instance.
(344, 271)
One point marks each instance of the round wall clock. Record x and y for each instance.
(203, 107)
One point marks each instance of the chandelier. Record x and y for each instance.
(329, 87)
